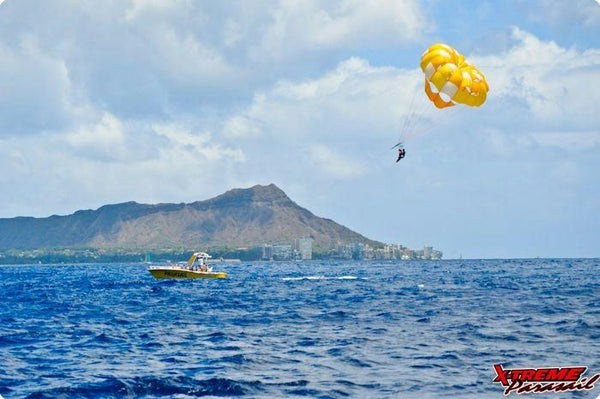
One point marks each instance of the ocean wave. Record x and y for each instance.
(323, 278)
(320, 329)
(146, 386)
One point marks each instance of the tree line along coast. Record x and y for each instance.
(301, 249)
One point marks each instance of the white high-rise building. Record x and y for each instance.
(305, 248)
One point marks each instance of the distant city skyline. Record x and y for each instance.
(162, 102)
(302, 249)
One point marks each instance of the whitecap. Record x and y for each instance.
(319, 278)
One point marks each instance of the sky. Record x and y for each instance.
(178, 101)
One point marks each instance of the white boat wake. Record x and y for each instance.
(322, 278)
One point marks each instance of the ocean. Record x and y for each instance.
(318, 329)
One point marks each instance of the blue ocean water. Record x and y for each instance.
(405, 329)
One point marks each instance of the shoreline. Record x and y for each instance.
(238, 261)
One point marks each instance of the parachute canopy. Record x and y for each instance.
(450, 79)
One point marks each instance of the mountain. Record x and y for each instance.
(239, 217)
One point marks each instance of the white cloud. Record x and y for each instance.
(159, 7)
(37, 92)
(355, 101)
(188, 61)
(232, 33)
(196, 145)
(127, 97)
(104, 140)
(112, 161)
(334, 164)
(164, 59)
(556, 84)
(567, 14)
(300, 26)
(569, 140)
(242, 126)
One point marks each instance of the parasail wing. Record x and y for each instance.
(450, 79)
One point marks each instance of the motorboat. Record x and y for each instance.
(196, 267)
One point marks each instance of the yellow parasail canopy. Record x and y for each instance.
(450, 79)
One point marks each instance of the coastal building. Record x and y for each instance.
(358, 251)
(387, 252)
(302, 249)
(397, 251)
(427, 252)
(304, 246)
(267, 252)
(344, 251)
(282, 252)
(407, 254)
(368, 253)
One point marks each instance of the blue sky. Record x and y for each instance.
(162, 101)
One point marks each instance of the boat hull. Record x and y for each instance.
(168, 272)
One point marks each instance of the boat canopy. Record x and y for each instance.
(198, 255)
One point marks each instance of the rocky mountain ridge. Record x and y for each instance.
(239, 217)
